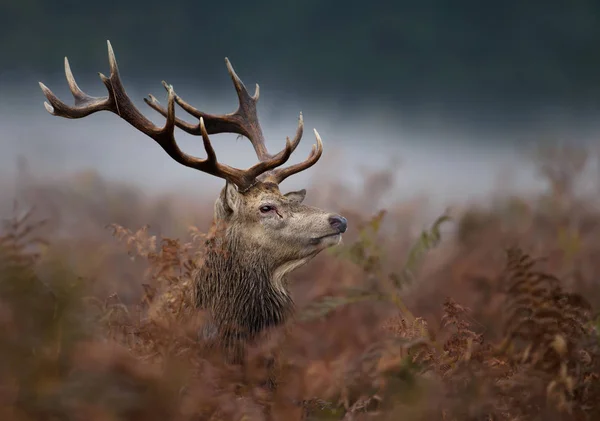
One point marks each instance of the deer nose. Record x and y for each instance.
(338, 222)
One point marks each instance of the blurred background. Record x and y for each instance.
(455, 91)
(486, 112)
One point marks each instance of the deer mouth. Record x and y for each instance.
(317, 240)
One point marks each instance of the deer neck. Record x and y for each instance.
(239, 286)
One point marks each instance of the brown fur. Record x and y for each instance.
(243, 281)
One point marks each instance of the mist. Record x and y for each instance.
(451, 96)
(448, 165)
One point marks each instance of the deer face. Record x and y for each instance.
(285, 230)
(275, 227)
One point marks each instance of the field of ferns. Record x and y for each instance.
(489, 312)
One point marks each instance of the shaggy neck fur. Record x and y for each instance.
(243, 294)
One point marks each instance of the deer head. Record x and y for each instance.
(258, 217)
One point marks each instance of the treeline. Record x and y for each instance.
(434, 50)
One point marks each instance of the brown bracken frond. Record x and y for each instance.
(547, 336)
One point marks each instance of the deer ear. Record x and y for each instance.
(228, 201)
(296, 196)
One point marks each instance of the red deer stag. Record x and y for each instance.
(266, 234)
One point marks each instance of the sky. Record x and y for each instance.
(456, 90)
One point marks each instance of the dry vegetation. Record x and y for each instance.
(495, 320)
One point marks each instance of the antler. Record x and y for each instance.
(279, 174)
(119, 103)
(244, 121)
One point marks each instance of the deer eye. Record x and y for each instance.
(267, 208)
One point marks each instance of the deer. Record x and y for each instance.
(263, 234)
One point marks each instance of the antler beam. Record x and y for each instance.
(243, 121)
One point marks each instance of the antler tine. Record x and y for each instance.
(116, 101)
(244, 121)
(119, 103)
(242, 92)
(280, 174)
